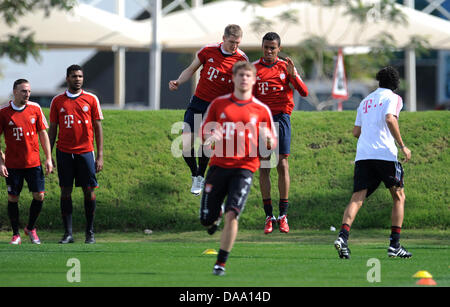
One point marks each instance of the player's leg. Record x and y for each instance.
(238, 190)
(283, 188)
(392, 176)
(350, 213)
(395, 249)
(85, 177)
(227, 239)
(188, 138)
(36, 184)
(265, 187)
(364, 183)
(213, 195)
(66, 174)
(284, 150)
(14, 184)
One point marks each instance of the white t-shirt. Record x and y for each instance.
(376, 141)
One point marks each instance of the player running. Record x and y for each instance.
(274, 76)
(24, 126)
(234, 124)
(217, 61)
(377, 130)
(78, 115)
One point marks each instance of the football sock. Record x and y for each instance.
(283, 206)
(89, 211)
(13, 214)
(202, 165)
(345, 231)
(66, 212)
(191, 161)
(222, 257)
(268, 209)
(395, 236)
(35, 210)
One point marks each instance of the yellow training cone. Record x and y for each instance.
(422, 274)
(210, 251)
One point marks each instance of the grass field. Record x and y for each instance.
(144, 186)
(298, 259)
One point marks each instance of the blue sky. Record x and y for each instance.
(46, 74)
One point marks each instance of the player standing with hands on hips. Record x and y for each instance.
(24, 126)
(274, 76)
(217, 61)
(78, 115)
(239, 126)
(377, 130)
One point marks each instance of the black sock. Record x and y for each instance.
(191, 161)
(395, 236)
(283, 205)
(222, 257)
(202, 165)
(66, 213)
(35, 210)
(344, 232)
(89, 211)
(13, 214)
(268, 208)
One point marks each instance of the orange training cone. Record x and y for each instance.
(426, 282)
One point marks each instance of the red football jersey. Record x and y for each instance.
(216, 74)
(240, 122)
(272, 86)
(21, 128)
(75, 117)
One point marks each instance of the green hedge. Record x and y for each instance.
(144, 186)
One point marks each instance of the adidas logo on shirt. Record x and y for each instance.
(211, 60)
(11, 123)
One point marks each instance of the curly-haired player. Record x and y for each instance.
(377, 130)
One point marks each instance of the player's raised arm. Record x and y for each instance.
(185, 74)
(296, 81)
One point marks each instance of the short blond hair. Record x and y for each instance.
(233, 30)
(243, 65)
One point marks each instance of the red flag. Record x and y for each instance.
(340, 90)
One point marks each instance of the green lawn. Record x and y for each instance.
(162, 259)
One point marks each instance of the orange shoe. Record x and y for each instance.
(283, 222)
(268, 227)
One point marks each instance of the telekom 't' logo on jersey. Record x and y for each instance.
(263, 87)
(68, 121)
(213, 73)
(18, 132)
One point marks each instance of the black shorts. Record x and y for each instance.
(370, 173)
(232, 183)
(34, 177)
(193, 116)
(78, 167)
(283, 121)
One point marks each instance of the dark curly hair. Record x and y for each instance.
(388, 77)
(272, 36)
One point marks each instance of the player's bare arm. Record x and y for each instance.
(45, 143)
(3, 169)
(185, 74)
(99, 141)
(52, 131)
(394, 128)
(356, 131)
